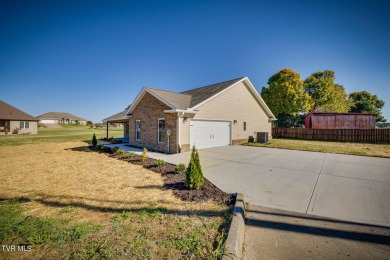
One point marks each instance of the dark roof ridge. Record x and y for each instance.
(236, 79)
(167, 91)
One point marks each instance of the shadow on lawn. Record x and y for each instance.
(79, 149)
(150, 209)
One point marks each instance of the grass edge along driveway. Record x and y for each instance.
(363, 149)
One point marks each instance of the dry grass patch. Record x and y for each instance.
(68, 183)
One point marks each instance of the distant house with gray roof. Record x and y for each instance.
(61, 118)
(15, 121)
(225, 113)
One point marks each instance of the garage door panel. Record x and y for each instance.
(205, 134)
(48, 121)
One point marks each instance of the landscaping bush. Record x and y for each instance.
(120, 151)
(180, 168)
(94, 141)
(194, 176)
(158, 162)
(144, 155)
(129, 154)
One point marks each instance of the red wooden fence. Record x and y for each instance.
(346, 135)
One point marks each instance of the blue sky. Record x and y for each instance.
(91, 58)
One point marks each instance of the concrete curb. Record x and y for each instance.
(235, 239)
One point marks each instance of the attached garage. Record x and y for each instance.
(48, 121)
(209, 133)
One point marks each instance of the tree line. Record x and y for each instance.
(289, 97)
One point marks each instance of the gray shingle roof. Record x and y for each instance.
(59, 115)
(179, 101)
(117, 117)
(201, 94)
(8, 112)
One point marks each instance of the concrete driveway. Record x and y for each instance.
(346, 187)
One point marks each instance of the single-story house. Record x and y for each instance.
(61, 118)
(325, 120)
(120, 118)
(15, 121)
(225, 113)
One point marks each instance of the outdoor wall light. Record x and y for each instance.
(184, 119)
(235, 121)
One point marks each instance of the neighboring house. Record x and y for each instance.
(120, 118)
(322, 120)
(61, 118)
(15, 121)
(225, 113)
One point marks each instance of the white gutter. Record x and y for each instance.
(180, 110)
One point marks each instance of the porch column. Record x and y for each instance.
(107, 130)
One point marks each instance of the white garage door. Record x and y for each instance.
(205, 134)
(48, 121)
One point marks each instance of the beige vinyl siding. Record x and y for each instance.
(184, 131)
(239, 104)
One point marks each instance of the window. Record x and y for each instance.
(161, 130)
(24, 124)
(138, 130)
(244, 126)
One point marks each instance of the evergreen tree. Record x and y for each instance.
(194, 176)
(94, 141)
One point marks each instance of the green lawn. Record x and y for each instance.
(377, 150)
(65, 134)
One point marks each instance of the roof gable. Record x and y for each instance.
(8, 112)
(203, 93)
(59, 115)
(172, 99)
(191, 99)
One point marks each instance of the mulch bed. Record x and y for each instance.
(175, 181)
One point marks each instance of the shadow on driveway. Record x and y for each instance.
(278, 234)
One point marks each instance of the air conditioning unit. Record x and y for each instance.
(262, 137)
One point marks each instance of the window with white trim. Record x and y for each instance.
(24, 124)
(161, 130)
(244, 126)
(138, 130)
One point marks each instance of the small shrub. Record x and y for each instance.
(120, 151)
(144, 155)
(180, 168)
(129, 154)
(114, 149)
(15, 130)
(194, 176)
(89, 123)
(158, 162)
(94, 141)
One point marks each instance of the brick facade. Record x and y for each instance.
(149, 110)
